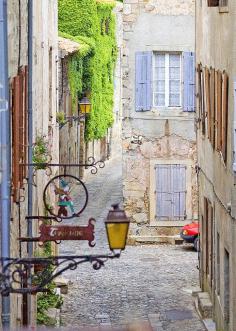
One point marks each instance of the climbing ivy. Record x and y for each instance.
(92, 24)
(49, 299)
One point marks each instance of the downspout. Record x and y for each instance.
(30, 136)
(5, 152)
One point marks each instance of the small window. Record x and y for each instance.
(223, 3)
(167, 80)
(213, 3)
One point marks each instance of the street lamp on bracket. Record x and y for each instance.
(18, 275)
(84, 108)
(85, 105)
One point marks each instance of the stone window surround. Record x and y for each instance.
(189, 164)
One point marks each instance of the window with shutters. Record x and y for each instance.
(213, 107)
(223, 3)
(213, 3)
(170, 192)
(164, 80)
(19, 109)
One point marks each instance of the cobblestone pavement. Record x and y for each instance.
(148, 283)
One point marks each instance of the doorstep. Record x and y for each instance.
(173, 240)
(204, 308)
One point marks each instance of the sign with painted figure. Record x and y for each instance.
(70, 196)
(67, 232)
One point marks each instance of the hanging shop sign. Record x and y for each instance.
(71, 196)
(57, 233)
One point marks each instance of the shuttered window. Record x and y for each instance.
(213, 101)
(159, 78)
(189, 81)
(213, 3)
(170, 192)
(19, 97)
(143, 73)
(223, 3)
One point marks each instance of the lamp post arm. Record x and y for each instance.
(20, 275)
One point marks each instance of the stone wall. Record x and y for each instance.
(168, 135)
(69, 140)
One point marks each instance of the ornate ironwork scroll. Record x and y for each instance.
(32, 275)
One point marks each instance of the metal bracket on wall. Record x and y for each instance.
(32, 275)
(91, 163)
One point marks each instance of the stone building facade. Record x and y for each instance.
(70, 138)
(44, 98)
(216, 109)
(159, 143)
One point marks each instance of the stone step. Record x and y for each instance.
(204, 305)
(173, 240)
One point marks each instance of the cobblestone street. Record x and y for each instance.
(148, 283)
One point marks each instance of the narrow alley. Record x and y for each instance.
(148, 284)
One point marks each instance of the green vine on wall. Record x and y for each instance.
(92, 24)
(49, 299)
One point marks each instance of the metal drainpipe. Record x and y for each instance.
(30, 135)
(5, 152)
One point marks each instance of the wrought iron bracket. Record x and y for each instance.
(32, 275)
(91, 163)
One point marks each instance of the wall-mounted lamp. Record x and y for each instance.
(85, 105)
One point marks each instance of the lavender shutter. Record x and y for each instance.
(189, 81)
(179, 191)
(170, 192)
(143, 74)
(163, 193)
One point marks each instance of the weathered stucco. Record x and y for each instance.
(216, 48)
(168, 135)
(44, 113)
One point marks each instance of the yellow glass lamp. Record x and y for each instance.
(117, 226)
(85, 105)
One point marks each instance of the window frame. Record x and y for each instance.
(167, 80)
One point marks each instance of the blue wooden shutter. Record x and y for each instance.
(170, 192)
(163, 193)
(179, 191)
(189, 81)
(143, 76)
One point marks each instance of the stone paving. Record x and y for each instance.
(150, 284)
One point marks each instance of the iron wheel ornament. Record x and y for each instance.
(71, 196)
